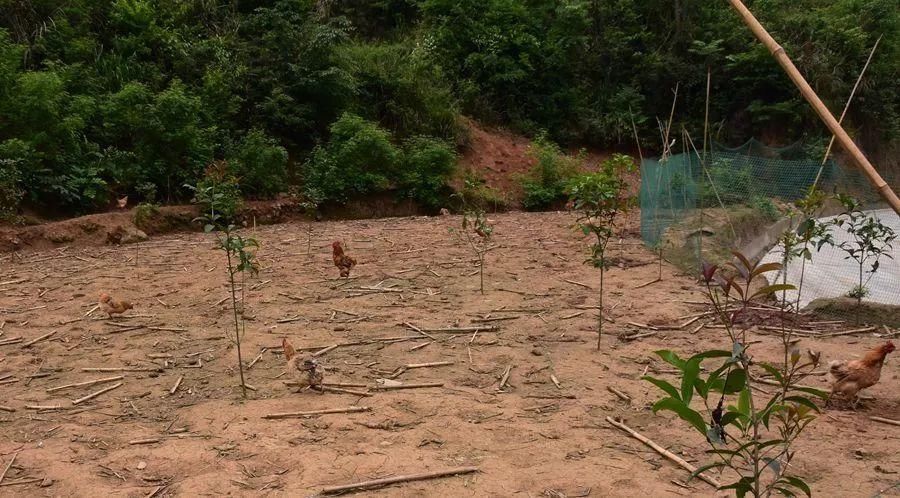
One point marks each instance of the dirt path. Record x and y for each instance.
(527, 438)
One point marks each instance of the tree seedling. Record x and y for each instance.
(871, 239)
(598, 198)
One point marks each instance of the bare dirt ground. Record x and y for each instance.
(528, 438)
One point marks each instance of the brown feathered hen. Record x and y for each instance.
(305, 371)
(343, 262)
(113, 307)
(850, 377)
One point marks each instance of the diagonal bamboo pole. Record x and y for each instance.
(810, 95)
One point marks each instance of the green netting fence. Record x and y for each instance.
(694, 210)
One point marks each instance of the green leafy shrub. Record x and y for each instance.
(765, 207)
(10, 189)
(476, 194)
(546, 183)
(260, 164)
(428, 164)
(358, 158)
(218, 192)
(144, 213)
(732, 184)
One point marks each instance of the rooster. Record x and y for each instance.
(850, 377)
(306, 371)
(342, 261)
(113, 307)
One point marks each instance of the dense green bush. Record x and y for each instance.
(98, 98)
(260, 164)
(428, 164)
(546, 183)
(358, 158)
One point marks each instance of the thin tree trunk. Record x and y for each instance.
(237, 332)
(600, 325)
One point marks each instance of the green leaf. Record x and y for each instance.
(800, 400)
(713, 353)
(691, 371)
(798, 483)
(670, 358)
(773, 371)
(744, 402)
(772, 289)
(683, 411)
(736, 380)
(729, 418)
(704, 468)
(665, 386)
(812, 390)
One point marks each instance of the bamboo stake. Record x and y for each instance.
(846, 108)
(396, 479)
(825, 115)
(662, 451)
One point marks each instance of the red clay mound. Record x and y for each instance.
(499, 157)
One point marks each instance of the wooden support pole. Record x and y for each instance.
(810, 95)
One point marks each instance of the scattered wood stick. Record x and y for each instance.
(8, 465)
(408, 386)
(22, 481)
(121, 369)
(426, 365)
(586, 286)
(97, 393)
(505, 378)
(638, 336)
(662, 451)
(95, 308)
(258, 357)
(177, 384)
(351, 409)
(44, 407)
(417, 329)
(325, 350)
(620, 394)
(82, 384)
(645, 284)
(144, 441)
(7, 409)
(555, 381)
(374, 483)
(341, 391)
(39, 339)
(11, 340)
(642, 326)
(453, 330)
(849, 332)
(495, 319)
(420, 346)
(885, 420)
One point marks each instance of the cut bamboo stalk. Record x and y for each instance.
(39, 339)
(885, 420)
(11, 460)
(351, 409)
(809, 94)
(408, 386)
(374, 483)
(97, 393)
(177, 384)
(82, 384)
(662, 451)
(426, 365)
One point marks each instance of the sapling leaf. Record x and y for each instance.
(683, 411)
(665, 386)
(736, 381)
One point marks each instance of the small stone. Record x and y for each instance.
(142, 465)
(536, 352)
(46, 483)
(860, 453)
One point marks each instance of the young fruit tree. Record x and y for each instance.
(870, 240)
(736, 425)
(240, 255)
(475, 229)
(598, 198)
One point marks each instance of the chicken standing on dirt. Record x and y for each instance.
(305, 371)
(342, 261)
(113, 307)
(850, 377)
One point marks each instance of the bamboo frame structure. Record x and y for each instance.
(858, 158)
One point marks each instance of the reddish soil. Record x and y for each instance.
(529, 438)
(499, 157)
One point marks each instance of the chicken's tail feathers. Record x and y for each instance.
(288, 349)
(837, 368)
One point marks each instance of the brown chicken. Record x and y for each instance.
(342, 261)
(850, 377)
(306, 371)
(113, 307)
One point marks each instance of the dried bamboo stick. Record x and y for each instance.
(39, 339)
(374, 483)
(82, 384)
(408, 386)
(351, 409)
(97, 393)
(662, 451)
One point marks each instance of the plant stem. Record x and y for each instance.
(600, 324)
(481, 269)
(237, 332)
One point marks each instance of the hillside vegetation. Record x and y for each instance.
(104, 98)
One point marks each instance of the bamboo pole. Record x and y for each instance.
(809, 94)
